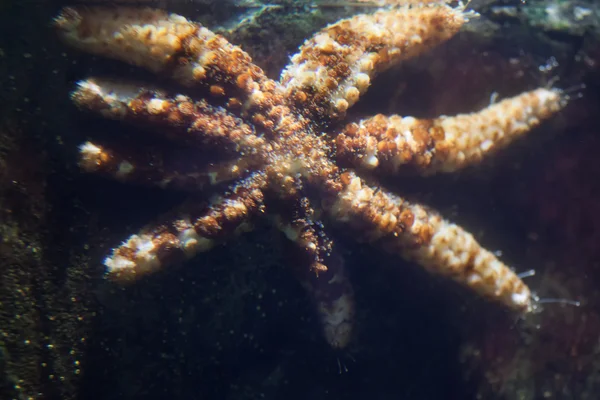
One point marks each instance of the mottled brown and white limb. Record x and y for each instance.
(177, 118)
(422, 235)
(388, 145)
(187, 231)
(335, 67)
(187, 52)
(320, 270)
(156, 167)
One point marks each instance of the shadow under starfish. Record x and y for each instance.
(282, 158)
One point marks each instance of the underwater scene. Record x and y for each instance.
(300, 199)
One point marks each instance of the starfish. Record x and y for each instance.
(281, 150)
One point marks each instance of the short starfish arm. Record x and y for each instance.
(422, 235)
(157, 168)
(187, 52)
(336, 66)
(321, 272)
(177, 117)
(389, 145)
(188, 231)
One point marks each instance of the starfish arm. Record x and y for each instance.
(157, 168)
(333, 296)
(422, 235)
(178, 117)
(321, 272)
(187, 232)
(187, 52)
(392, 144)
(144, 37)
(336, 66)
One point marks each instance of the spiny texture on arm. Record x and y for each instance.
(155, 40)
(187, 232)
(178, 118)
(157, 167)
(422, 235)
(445, 144)
(188, 52)
(320, 270)
(336, 66)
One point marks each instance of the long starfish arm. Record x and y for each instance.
(187, 52)
(320, 270)
(156, 40)
(187, 232)
(177, 117)
(157, 168)
(336, 66)
(389, 145)
(422, 235)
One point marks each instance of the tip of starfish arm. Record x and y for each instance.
(337, 320)
(120, 268)
(132, 260)
(92, 157)
(67, 20)
(522, 299)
